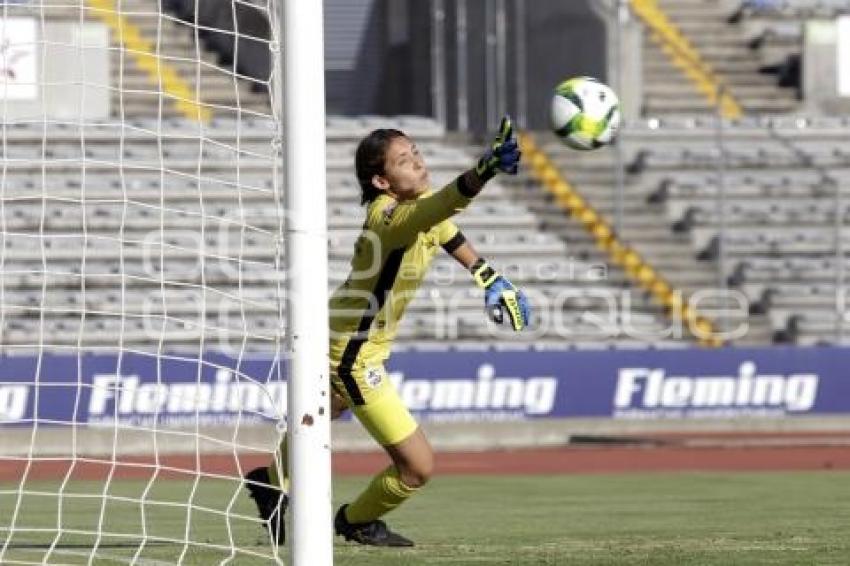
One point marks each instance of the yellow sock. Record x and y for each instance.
(280, 463)
(384, 493)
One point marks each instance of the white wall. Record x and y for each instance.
(70, 64)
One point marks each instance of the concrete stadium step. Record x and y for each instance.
(700, 37)
(667, 105)
(205, 91)
(699, 5)
(717, 3)
(766, 106)
(634, 210)
(150, 104)
(744, 60)
(605, 194)
(677, 91)
(603, 177)
(713, 52)
(760, 101)
(132, 77)
(657, 252)
(588, 160)
(634, 198)
(661, 65)
(783, 99)
(732, 80)
(184, 63)
(694, 275)
(687, 11)
(689, 26)
(687, 282)
(140, 82)
(762, 92)
(555, 217)
(670, 74)
(685, 263)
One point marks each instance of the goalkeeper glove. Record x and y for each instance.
(501, 296)
(503, 155)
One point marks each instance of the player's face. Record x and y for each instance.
(405, 175)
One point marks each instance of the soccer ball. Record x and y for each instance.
(585, 113)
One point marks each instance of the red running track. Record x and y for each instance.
(559, 460)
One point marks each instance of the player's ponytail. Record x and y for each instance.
(370, 160)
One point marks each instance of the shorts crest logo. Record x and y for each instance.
(373, 377)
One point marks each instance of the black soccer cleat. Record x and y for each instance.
(271, 502)
(373, 533)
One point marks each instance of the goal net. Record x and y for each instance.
(140, 288)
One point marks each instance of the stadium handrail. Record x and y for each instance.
(636, 267)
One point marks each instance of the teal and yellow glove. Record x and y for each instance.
(500, 296)
(503, 155)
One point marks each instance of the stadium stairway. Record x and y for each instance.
(725, 48)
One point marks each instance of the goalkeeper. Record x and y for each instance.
(405, 225)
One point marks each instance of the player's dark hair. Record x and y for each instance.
(370, 160)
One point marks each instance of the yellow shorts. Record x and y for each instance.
(375, 402)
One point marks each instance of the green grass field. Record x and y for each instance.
(653, 519)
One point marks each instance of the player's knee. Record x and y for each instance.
(338, 405)
(417, 474)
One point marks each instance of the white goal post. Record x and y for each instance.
(306, 236)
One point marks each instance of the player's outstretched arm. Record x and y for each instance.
(406, 220)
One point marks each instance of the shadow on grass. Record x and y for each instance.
(77, 546)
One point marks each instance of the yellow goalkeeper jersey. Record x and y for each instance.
(391, 256)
